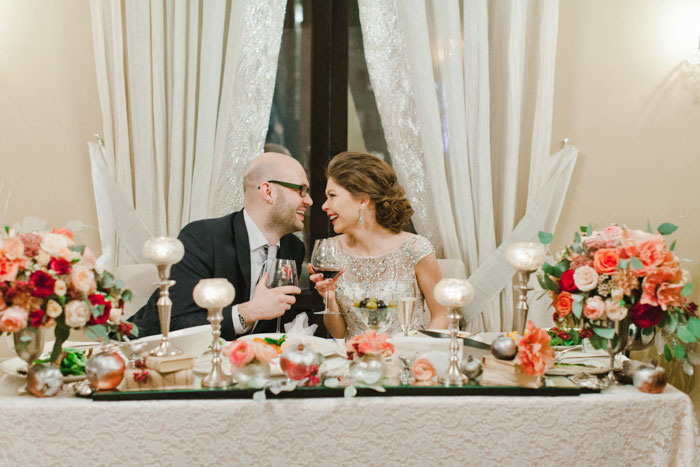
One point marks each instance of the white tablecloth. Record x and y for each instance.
(618, 427)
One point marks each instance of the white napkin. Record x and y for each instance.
(300, 326)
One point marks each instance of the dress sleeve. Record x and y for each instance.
(418, 248)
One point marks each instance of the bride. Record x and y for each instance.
(368, 209)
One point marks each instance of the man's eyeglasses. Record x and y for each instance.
(302, 189)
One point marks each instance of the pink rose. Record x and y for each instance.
(13, 319)
(586, 278)
(13, 249)
(83, 279)
(240, 353)
(670, 294)
(88, 259)
(615, 310)
(595, 308)
(264, 352)
(76, 313)
(594, 242)
(423, 370)
(612, 236)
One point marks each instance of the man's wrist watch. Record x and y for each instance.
(242, 320)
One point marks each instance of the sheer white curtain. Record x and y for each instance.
(468, 126)
(185, 90)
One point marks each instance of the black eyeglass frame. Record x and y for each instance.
(302, 189)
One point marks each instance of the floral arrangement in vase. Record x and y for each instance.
(47, 281)
(620, 275)
(250, 361)
(368, 343)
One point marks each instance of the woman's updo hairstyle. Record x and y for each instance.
(367, 175)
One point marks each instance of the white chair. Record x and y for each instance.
(139, 278)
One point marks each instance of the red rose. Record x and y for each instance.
(96, 300)
(585, 333)
(564, 335)
(566, 283)
(60, 265)
(42, 284)
(36, 318)
(646, 316)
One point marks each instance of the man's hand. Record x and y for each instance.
(268, 303)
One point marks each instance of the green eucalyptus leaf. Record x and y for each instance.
(589, 229)
(119, 284)
(679, 351)
(668, 355)
(687, 289)
(605, 333)
(545, 237)
(685, 335)
(673, 246)
(25, 338)
(79, 248)
(577, 297)
(550, 284)
(672, 323)
(598, 342)
(635, 263)
(623, 264)
(577, 248)
(577, 309)
(694, 326)
(134, 330)
(127, 295)
(667, 228)
(577, 238)
(97, 311)
(649, 227)
(97, 332)
(561, 267)
(107, 280)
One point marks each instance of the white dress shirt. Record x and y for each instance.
(257, 243)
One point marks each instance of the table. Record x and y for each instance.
(620, 426)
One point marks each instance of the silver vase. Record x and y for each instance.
(368, 369)
(29, 344)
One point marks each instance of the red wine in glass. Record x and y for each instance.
(328, 273)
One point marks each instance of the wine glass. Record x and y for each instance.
(406, 306)
(281, 272)
(325, 261)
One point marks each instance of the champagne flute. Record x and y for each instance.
(406, 306)
(325, 261)
(281, 272)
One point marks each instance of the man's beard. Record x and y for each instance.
(283, 219)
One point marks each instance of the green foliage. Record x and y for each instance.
(127, 295)
(97, 332)
(635, 263)
(79, 248)
(61, 333)
(605, 333)
(598, 342)
(649, 227)
(577, 309)
(687, 289)
(545, 237)
(672, 323)
(694, 326)
(679, 351)
(107, 280)
(685, 335)
(623, 264)
(668, 355)
(667, 228)
(561, 267)
(673, 246)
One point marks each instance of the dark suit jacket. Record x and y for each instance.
(214, 248)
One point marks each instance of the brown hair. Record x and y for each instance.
(367, 175)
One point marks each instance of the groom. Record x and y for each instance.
(235, 247)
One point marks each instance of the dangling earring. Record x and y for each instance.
(362, 215)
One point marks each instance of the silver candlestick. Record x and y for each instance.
(214, 294)
(526, 257)
(164, 252)
(454, 294)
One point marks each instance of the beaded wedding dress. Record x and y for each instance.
(387, 277)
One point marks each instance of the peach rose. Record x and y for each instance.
(53, 309)
(42, 258)
(423, 370)
(13, 319)
(595, 308)
(60, 288)
(534, 352)
(88, 259)
(563, 303)
(115, 315)
(615, 310)
(651, 283)
(264, 352)
(77, 314)
(13, 249)
(631, 239)
(8, 269)
(605, 260)
(670, 294)
(612, 236)
(585, 278)
(651, 253)
(54, 244)
(83, 279)
(240, 353)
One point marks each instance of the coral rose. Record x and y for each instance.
(13, 319)
(615, 310)
(670, 295)
(240, 353)
(83, 279)
(586, 278)
(77, 313)
(53, 309)
(534, 351)
(645, 316)
(612, 236)
(605, 260)
(566, 283)
(651, 253)
(264, 352)
(42, 284)
(563, 303)
(595, 308)
(654, 279)
(63, 231)
(8, 269)
(423, 370)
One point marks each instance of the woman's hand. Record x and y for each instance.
(324, 285)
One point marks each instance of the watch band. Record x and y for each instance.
(242, 320)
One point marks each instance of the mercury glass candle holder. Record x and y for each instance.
(163, 252)
(526, 257)
(454, 294)
(214, 295)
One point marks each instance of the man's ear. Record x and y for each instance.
(266, 192)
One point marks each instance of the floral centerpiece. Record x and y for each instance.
(46, 281)
(250, 361)
(622, 275)
(369, 343)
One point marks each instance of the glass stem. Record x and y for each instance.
(327, 309)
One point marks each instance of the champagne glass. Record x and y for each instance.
(281, 272)
(325, 260)
(406, 306)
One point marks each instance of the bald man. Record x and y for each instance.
(235, 247)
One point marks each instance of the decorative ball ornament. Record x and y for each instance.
(650, 379)
(526, 256)
(213, 293)
(163, 251)
(454, 293)
(299, 362)
(105, 370)
(44, 380)
(470, 367)
(504, 348)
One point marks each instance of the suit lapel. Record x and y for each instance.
(242, 253)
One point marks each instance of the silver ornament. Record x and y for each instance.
(504, 348)
(470, 367)
(650, 379)
(44, 380)
(105, 370)
(299, 362)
